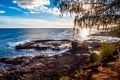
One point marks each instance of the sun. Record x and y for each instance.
(84, 33)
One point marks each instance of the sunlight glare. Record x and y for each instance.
(84, 33)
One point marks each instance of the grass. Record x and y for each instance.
(106, 49)
(93, 57)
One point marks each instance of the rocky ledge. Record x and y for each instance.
(46, 67)
(45, 44)
(57, 45)
(41, 67)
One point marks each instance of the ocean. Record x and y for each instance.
(9, 38)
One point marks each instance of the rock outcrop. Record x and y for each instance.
(43, 67)
(44, 45)
(50, 67)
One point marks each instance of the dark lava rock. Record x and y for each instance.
(7, 60)
(28, 45)
(107, 59)
(2, 71)
(95, 70)
(48, 67)
(95, 44)
(44, 45)
(41, 48)
(115, 53)
(45, 68)
(80, 47)
(94, 66)
(16, 61)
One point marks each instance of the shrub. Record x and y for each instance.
(106, 49)
(64, 78)
(93, 57)
(78, 73)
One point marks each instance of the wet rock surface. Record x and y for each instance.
(58, 45)
(46, 67)
(44, 45)
(43, 68)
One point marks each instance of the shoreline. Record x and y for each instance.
(62, 64)
(45, 67)
(56, 66)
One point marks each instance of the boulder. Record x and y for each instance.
(2, 71)
(95, 70)
(80, 47)
(107, 59)
(28, 45)
(95, 44)
(115, 53)
(16, 61)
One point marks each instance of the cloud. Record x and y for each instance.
(16, 22)
(31, 4)
(2, 12)
(44, 9)
(37, 6)
(15, 8)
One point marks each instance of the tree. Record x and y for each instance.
(91, 13)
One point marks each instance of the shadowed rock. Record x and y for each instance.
(107, 59)
(46, 68)
(80, 47)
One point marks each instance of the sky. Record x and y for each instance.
(31, 14)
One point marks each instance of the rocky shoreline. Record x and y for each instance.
(43, 45)
(52, 67)
(43, 68)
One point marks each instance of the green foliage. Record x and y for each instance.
(78, 73)
(93, 57)
(64, 78)
(106, 49)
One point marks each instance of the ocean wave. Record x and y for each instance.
(48, 52)
(13, 44)
(66, 34)
(105, 38)
(12, 37)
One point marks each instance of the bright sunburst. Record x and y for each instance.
(84, 33)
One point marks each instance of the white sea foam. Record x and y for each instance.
(13, 44)
(105, 38)
(66, 34)
(48, 52)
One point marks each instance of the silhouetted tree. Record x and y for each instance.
(91, 13)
